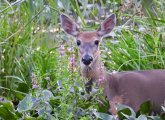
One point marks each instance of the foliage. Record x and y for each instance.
(39, 69)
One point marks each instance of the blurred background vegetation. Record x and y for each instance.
(39, 69)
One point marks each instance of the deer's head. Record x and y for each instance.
(88, 41)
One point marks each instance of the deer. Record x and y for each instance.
(130, 88)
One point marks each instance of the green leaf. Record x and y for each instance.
(23, 87)
(26, 104)
(163, 108)
(30, 118)
(55, 101)
(163, 116)
(8, 105)
(7, 114)
(142, 117)
(19, 95)
(145, 107)
(47, 95)
(125, 111)
(103, 105)
(103, 116)
(154, 117)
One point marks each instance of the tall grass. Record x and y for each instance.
(35, 54)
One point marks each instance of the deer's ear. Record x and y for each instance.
(107, 25)
(69, 26)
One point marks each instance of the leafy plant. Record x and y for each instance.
(39, 71)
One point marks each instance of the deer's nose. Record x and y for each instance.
(87, 59)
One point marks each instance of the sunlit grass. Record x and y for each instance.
(35, 53)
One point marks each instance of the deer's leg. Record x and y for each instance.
(113, 102)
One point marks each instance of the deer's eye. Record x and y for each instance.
(96, 42)
(78, 42)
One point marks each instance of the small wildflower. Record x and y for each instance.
(70, 49)
(34, 81)
(61, 50)
(46, 102)
(101, 80)
(72, 62)
(1, 99)
(101, 103)
(47, 78)
(35, 86)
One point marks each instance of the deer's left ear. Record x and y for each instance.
(69, 26)
(107, 25)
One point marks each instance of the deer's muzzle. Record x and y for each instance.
(87, 59)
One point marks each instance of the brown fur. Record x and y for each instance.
(136, 87)
(131, 88)
(88, 36)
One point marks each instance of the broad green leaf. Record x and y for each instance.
(30, 118)
(127, 117)
(8, 105)
(50, 117)
(25, 104)
(142, 117)
(23, 87)
(47, 95)
(104, 105)
(7, 114)
(145, 107)
(103, 116)
(154, 117)
(125, 111)
(163, 108)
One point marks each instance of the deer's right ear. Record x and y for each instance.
(69, 26)
(107, 25)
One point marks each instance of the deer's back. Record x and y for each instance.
(136, 87)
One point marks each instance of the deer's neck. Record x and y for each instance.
(95, 71)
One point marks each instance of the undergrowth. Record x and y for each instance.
(39, 67)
